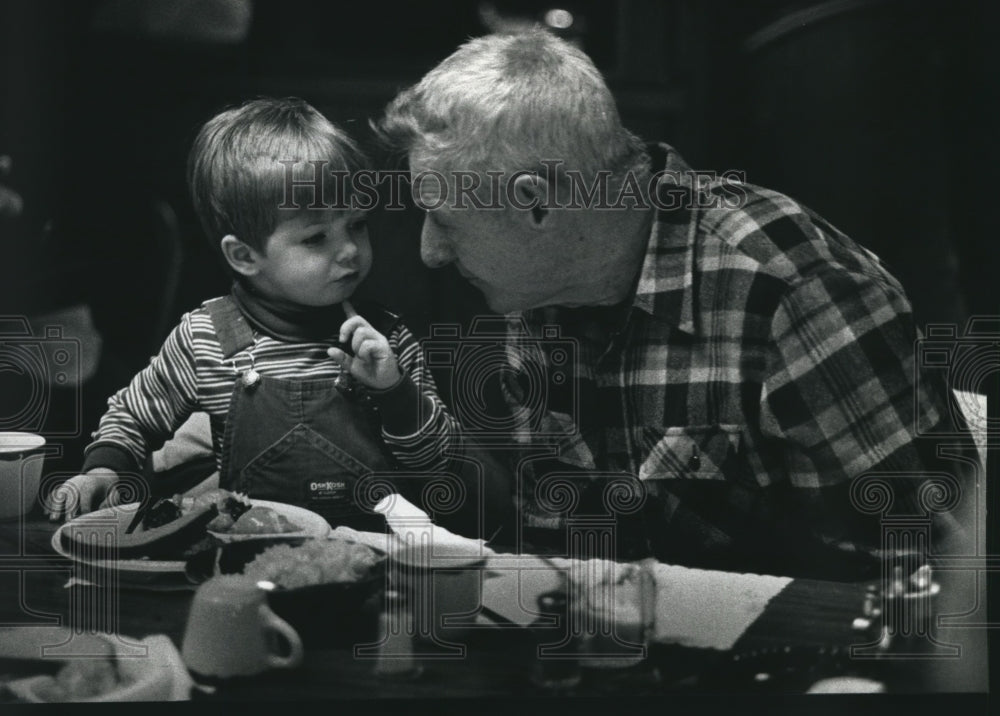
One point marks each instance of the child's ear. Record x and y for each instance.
(242, 258)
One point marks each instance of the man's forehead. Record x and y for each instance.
(437, 186)
(430, 183)
(420, 162)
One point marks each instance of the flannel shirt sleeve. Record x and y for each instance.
(842, 394)
(417, 426)
(147, 411)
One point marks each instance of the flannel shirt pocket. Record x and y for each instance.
(695, 452)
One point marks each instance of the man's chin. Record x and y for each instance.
(510, 304)
(501, 302)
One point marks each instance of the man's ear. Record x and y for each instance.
(531, 195)
(240, 257)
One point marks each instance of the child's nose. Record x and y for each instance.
(347, 250)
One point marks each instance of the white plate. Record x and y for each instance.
(152, 667)
(312, 525)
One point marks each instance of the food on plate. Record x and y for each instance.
(82, 679)
(170, 539)
(167, 540)
(182, 527)
(229, 503)
(319, 561)
(54, 678)
(160, 513)
(255, 521)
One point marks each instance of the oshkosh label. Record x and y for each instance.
(328, 490)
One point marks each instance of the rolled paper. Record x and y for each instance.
(413, 526)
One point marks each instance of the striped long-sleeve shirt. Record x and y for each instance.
(190, 374)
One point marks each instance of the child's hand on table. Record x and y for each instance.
(373, 362)
(79, 495)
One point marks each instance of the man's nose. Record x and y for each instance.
(435, 249)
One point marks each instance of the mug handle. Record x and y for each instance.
(276, 623)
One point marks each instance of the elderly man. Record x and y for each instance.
(747, 368)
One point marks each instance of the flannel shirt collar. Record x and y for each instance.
(666, 281)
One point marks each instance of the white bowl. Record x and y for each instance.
(20, 472)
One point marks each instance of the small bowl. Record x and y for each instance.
(334, 614)
(20, 472)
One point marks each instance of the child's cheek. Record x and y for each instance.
(365, 258)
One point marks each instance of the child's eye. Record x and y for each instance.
(314, 239)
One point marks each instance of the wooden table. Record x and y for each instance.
(809, 624)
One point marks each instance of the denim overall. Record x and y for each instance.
(301, 442)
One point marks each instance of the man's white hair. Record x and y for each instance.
(509, 102)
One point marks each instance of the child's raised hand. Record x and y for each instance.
(373, 362)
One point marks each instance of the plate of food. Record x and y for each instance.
(54, 664)
(175, 529)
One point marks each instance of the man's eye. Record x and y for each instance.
(358, 225)
(437, 219)
(314, 239)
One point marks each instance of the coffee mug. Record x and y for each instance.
(231, 631)
(21, 460)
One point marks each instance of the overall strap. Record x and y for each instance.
(231, 328)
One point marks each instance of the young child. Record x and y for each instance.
(305, 394)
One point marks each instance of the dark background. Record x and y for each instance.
(875, 113)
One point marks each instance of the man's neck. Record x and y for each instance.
(615, 247)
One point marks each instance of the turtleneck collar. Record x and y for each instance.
(288, 321)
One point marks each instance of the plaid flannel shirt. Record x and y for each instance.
(765, 362)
